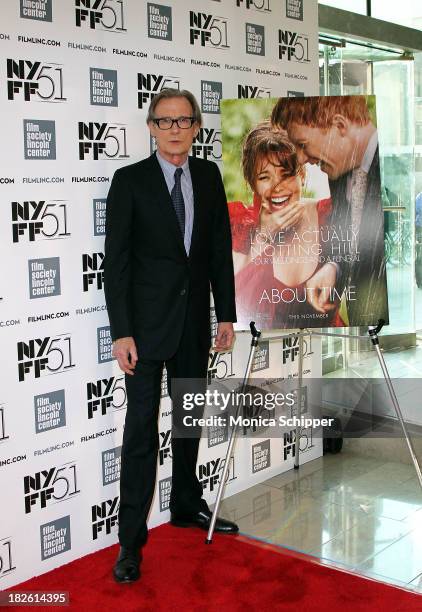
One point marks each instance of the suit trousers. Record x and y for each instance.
(141, 439)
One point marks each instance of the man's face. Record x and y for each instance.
(331, 148)
(174, 144)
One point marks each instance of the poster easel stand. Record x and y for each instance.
(373, 331)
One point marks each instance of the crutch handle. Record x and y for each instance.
(374, 330)
(255, 332)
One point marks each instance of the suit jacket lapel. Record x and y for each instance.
(196, 187)
(164, 200)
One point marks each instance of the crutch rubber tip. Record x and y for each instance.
(296, 467)
(207, 541)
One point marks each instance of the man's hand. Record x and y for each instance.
(124, 349)
(224, 338)
(320, 284)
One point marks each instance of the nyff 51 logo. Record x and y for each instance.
(43, 356)
(293, 47)
(253, 91)
(105, 394)
(149, 85)
(50, 486)
(104, 517)
(92, 270)
(258, 5)
(208, 30)
(207, 144)
(220, 365)
(102, 140)
(42, 81)
(165, 446)
(6, 557)
(39, 220)
(3, 435)
(106, 15)
(289, 444)
(290, 351)
(209, 473)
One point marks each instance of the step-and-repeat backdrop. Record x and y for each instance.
(76, 78)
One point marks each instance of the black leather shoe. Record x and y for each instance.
(202, 519)
(126, 568)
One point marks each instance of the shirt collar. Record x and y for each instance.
(172, 167)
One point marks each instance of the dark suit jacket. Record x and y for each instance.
(152, 287)
(368, 274)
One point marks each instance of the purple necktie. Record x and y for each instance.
(177, 199)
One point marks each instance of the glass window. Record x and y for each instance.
(409, 15)
(354, 6)
(356, 69)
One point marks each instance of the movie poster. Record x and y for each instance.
(302, 179)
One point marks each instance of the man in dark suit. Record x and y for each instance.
(337, 133)
(167, 239)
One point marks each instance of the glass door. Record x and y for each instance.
(352, 68)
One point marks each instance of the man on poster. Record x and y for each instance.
(167, 239)
(337, 134)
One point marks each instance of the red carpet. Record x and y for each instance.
(234, 573)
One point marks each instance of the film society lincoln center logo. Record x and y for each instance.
(255, 39)
(39, 10)
(261, 457)
(55, 537)
(211, 94)
(261, 359)
(106, 15)
(164, 488)
(49, 411)
(44, 277)
(111, 461)
(294, 9)
(99, 206)
(39, 139)
(104, 344)
(34, 80)
(159, 21)
(103, 87)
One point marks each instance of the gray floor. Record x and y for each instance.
(351, 510)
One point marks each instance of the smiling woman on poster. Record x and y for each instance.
(278, 242)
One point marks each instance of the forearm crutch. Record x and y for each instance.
(373, 331)
(239, 406)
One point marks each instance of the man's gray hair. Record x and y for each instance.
(175, 93)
